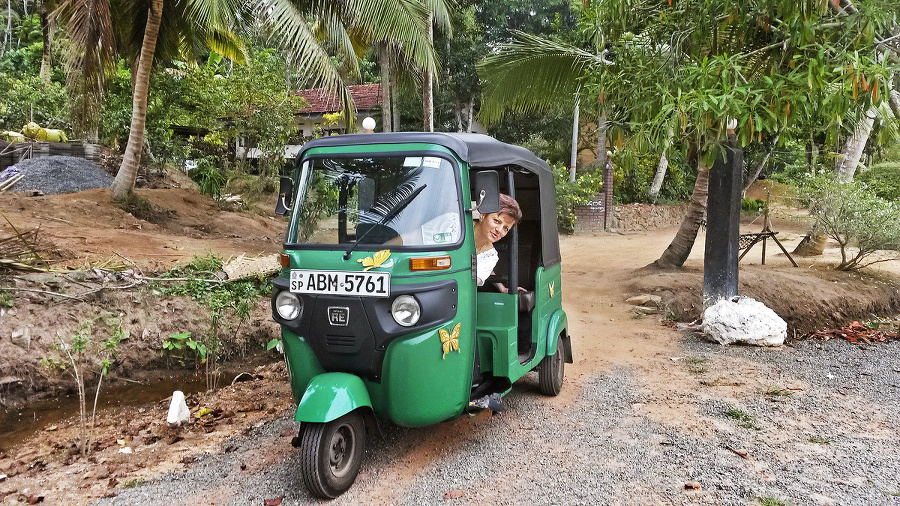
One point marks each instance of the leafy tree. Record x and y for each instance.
(31, 99)
(854, 216)
(769, 64)
(262, 108)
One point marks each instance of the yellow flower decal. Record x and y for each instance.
(551, 290)
(450, 340)
(376, 260)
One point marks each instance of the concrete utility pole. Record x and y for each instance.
(723, 214)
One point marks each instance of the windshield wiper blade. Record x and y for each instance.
(387, 217)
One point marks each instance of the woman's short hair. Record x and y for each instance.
(510, 207)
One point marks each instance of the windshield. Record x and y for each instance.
(345, 200)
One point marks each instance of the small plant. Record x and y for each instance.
(181, 344)
(209, 177)
(819, 440)
(132, 483)
(7, 299)
(697, 365)
(771, 501)
(275, 343)
(82, 352)
(227, 301)
(743, 418)
(777, 391)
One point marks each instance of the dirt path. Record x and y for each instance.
(634, 389)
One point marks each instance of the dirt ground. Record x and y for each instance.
(134, 444)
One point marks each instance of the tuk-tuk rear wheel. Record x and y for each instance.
(552, 370)
(331, 454)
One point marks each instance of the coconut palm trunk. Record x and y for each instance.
(125, 178)
(428, 86)
(845, 166)
(661, 169)
(47, 36)
(677, 253)
(384, 59)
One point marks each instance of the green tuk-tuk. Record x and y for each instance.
(377, 299)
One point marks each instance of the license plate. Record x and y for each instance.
(363, 284)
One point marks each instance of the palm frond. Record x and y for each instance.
(554, 73)
(292, 32)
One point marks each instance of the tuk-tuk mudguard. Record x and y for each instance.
(556, 327)
(330, 396)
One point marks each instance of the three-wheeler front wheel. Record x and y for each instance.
(331, 454)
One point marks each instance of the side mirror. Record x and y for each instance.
(487, 191)
(285, 195)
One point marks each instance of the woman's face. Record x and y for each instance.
(495, 226)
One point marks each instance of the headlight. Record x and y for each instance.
(406, 310)
(288, 305)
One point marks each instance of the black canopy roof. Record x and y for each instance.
(478, 151)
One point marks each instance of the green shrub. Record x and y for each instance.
(571, 195)
(209, 177)
(883, 179)
(851, 214)
(753, 206)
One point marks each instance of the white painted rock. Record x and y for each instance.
(743, 320)
(178, 410)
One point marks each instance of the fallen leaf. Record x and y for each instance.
(51, 428)
(455, 494)
(274, 502)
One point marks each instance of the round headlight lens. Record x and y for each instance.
(288, 305)
(406, 310)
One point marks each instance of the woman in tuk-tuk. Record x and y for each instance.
(491, 228)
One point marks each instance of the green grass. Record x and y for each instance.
(132, 483)
(7, 299)
(819, 440)
(697, 365)
(743, 418)
(777, 391)
(771, 501)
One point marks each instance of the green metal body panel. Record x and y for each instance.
(331, 395)
(420, 385)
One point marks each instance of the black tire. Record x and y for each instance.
(552, 370)
(331, 454)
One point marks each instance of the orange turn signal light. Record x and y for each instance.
(284, 260)
(430, 263)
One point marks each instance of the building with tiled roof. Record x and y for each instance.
(311, 119)
(366, 98)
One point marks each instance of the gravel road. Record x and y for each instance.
(815, 423)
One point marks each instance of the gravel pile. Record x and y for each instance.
(835, 441)
(60, 174)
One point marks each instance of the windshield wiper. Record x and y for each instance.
(387, 217)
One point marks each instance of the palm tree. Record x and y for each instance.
(158, 29)
(671, 63)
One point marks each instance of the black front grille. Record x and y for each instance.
(340, 343)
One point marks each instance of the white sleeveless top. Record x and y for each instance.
(484, 264)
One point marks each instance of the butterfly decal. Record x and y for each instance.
(377, 260)
(450, 340)
(551, 290)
